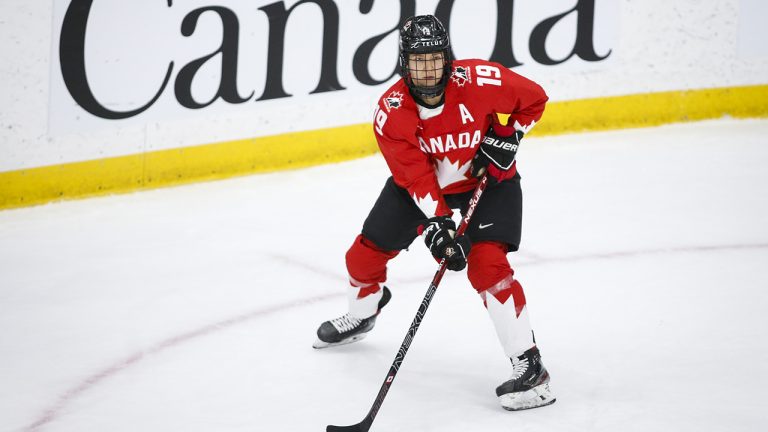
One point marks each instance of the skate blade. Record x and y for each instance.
(320, 344)
(536, 397)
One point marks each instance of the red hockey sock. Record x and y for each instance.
(493, 278)
(367, 265)
(489, 272)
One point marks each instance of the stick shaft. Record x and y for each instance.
(366, 423)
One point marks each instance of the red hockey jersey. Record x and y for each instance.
(429, 150)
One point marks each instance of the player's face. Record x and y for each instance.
(426, 69)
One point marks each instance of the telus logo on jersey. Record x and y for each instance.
(223, 64)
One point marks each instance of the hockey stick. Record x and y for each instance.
(365, 425)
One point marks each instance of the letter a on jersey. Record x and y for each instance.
(465, 115)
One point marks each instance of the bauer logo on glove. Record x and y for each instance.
(504, 148)
(497, 153)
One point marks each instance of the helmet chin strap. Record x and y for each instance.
(427, 92)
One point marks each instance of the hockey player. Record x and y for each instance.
(439, 128)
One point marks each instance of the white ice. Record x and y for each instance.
(644, 260)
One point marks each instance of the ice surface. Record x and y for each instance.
(644, 260)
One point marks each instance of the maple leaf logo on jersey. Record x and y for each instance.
(449, 172)
(393, 101)
(460, 76)
(427, 204)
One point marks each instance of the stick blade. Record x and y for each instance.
(354, 428)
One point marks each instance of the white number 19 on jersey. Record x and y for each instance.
(487, 74)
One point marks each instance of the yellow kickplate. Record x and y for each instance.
(301, 149)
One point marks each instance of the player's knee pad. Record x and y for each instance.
(367, 263)
(487, 265)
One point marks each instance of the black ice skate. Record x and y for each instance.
(346, 329)
(529, 385)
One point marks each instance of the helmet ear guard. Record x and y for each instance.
(424, 34)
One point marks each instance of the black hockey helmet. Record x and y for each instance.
(420, 35)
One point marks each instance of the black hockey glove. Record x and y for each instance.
(439, 233)
(496, 154)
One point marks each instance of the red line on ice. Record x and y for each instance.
(53, 412)
(625, 254)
